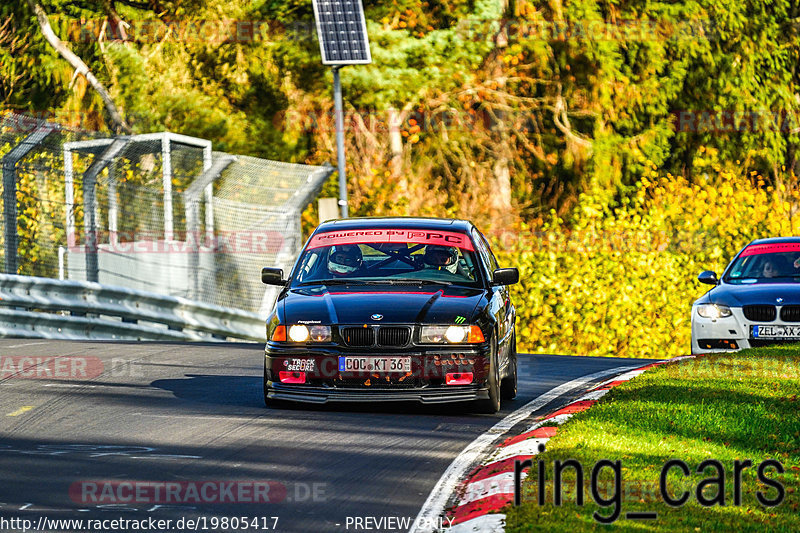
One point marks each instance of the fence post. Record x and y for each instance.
(90, 203)
(202, 185)
(166, 179)
(10, 188)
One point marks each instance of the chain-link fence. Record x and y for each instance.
(159, 212)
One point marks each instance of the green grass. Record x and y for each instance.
(724, 407)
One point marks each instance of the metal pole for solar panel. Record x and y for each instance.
(342, 32)
(337, 105)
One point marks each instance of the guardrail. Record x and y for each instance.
(34, 307)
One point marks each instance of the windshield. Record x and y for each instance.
(388, 256)
(766, 264)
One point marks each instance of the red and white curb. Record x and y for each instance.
(489, 487)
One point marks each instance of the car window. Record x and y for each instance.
(764, 268)
(483, 249)
(372, 255)
(492, 260)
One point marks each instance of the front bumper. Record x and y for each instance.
(425, 383)
(731, 333)
(319, 395)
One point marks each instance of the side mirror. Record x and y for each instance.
(708, 277)
(505, 276)
(272, 276)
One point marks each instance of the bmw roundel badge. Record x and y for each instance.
(376, 316)
(779, 300)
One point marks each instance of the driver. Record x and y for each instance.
(344, 260)
(774, 267)
(441, 258)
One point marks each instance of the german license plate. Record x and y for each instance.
(776, 332)
(374, 364)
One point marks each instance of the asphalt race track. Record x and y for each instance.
(189, 413)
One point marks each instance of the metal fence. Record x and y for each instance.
(156, 212)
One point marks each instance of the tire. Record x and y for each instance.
(508, 387)
(491, 405)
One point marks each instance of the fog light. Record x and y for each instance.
(292, 377)
(459, 378)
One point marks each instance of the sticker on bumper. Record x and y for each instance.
(299, 365)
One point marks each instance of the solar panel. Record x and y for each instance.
(342, 32)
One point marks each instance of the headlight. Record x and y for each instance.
(320, 334)
(451, 335)
(303, 333)
(299, 333)
(455, 334)
(713, 311)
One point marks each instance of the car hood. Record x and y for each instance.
(397, 305)
(762, 293)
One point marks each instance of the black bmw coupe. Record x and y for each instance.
(392, 309)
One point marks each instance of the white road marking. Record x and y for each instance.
(557, 420)
(594, 395)
(488, 523)
(502, 483)
(525, 447)
(190, 417)
(435, 504)
(25, 344)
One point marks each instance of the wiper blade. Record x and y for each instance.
(421, 281)
(333, 282)
(376, 281)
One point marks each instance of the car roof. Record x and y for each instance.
(774, 240)
(449, 224)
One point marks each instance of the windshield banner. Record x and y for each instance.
(374, 236)
(757, 249)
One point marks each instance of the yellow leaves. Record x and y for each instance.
(622, 283)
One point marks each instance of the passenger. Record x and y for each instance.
(344, 260)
